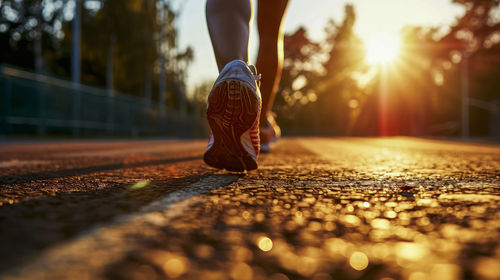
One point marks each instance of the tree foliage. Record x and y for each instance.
(422, 88)
(321, 80)
(133, 35)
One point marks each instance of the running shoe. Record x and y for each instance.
(269, 132)
(233, 114)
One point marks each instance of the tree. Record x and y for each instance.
(340, 88)
(302, 67)
(320, 82)
(30, 32)
(473, 42)
(119, 45)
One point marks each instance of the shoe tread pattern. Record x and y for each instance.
(232, 110)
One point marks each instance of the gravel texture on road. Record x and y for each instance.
(317, 208)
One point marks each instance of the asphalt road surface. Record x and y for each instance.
(317, 208)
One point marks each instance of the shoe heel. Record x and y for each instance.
(232, 110)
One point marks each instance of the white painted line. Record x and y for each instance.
(195, 189)
(87, 256)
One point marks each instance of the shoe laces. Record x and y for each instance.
(256, 76)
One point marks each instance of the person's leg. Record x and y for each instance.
(234, 103)
(229, 26)
(270, 17)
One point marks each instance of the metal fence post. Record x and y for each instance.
(75, 66)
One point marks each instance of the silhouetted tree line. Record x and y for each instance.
(329, 88)
(124, 44)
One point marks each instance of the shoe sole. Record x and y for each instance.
(232, 110)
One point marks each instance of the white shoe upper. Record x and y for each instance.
(239, 70)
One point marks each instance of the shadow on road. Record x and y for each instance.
(29, 177)
(30, 226)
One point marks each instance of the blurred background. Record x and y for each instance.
(352, 68)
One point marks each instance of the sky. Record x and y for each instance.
(373, 17)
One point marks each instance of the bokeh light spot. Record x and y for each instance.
(358, 261)
(265, 243)
(175, 267)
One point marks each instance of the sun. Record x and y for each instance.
(382, 48)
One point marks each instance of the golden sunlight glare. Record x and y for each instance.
(382, 48)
